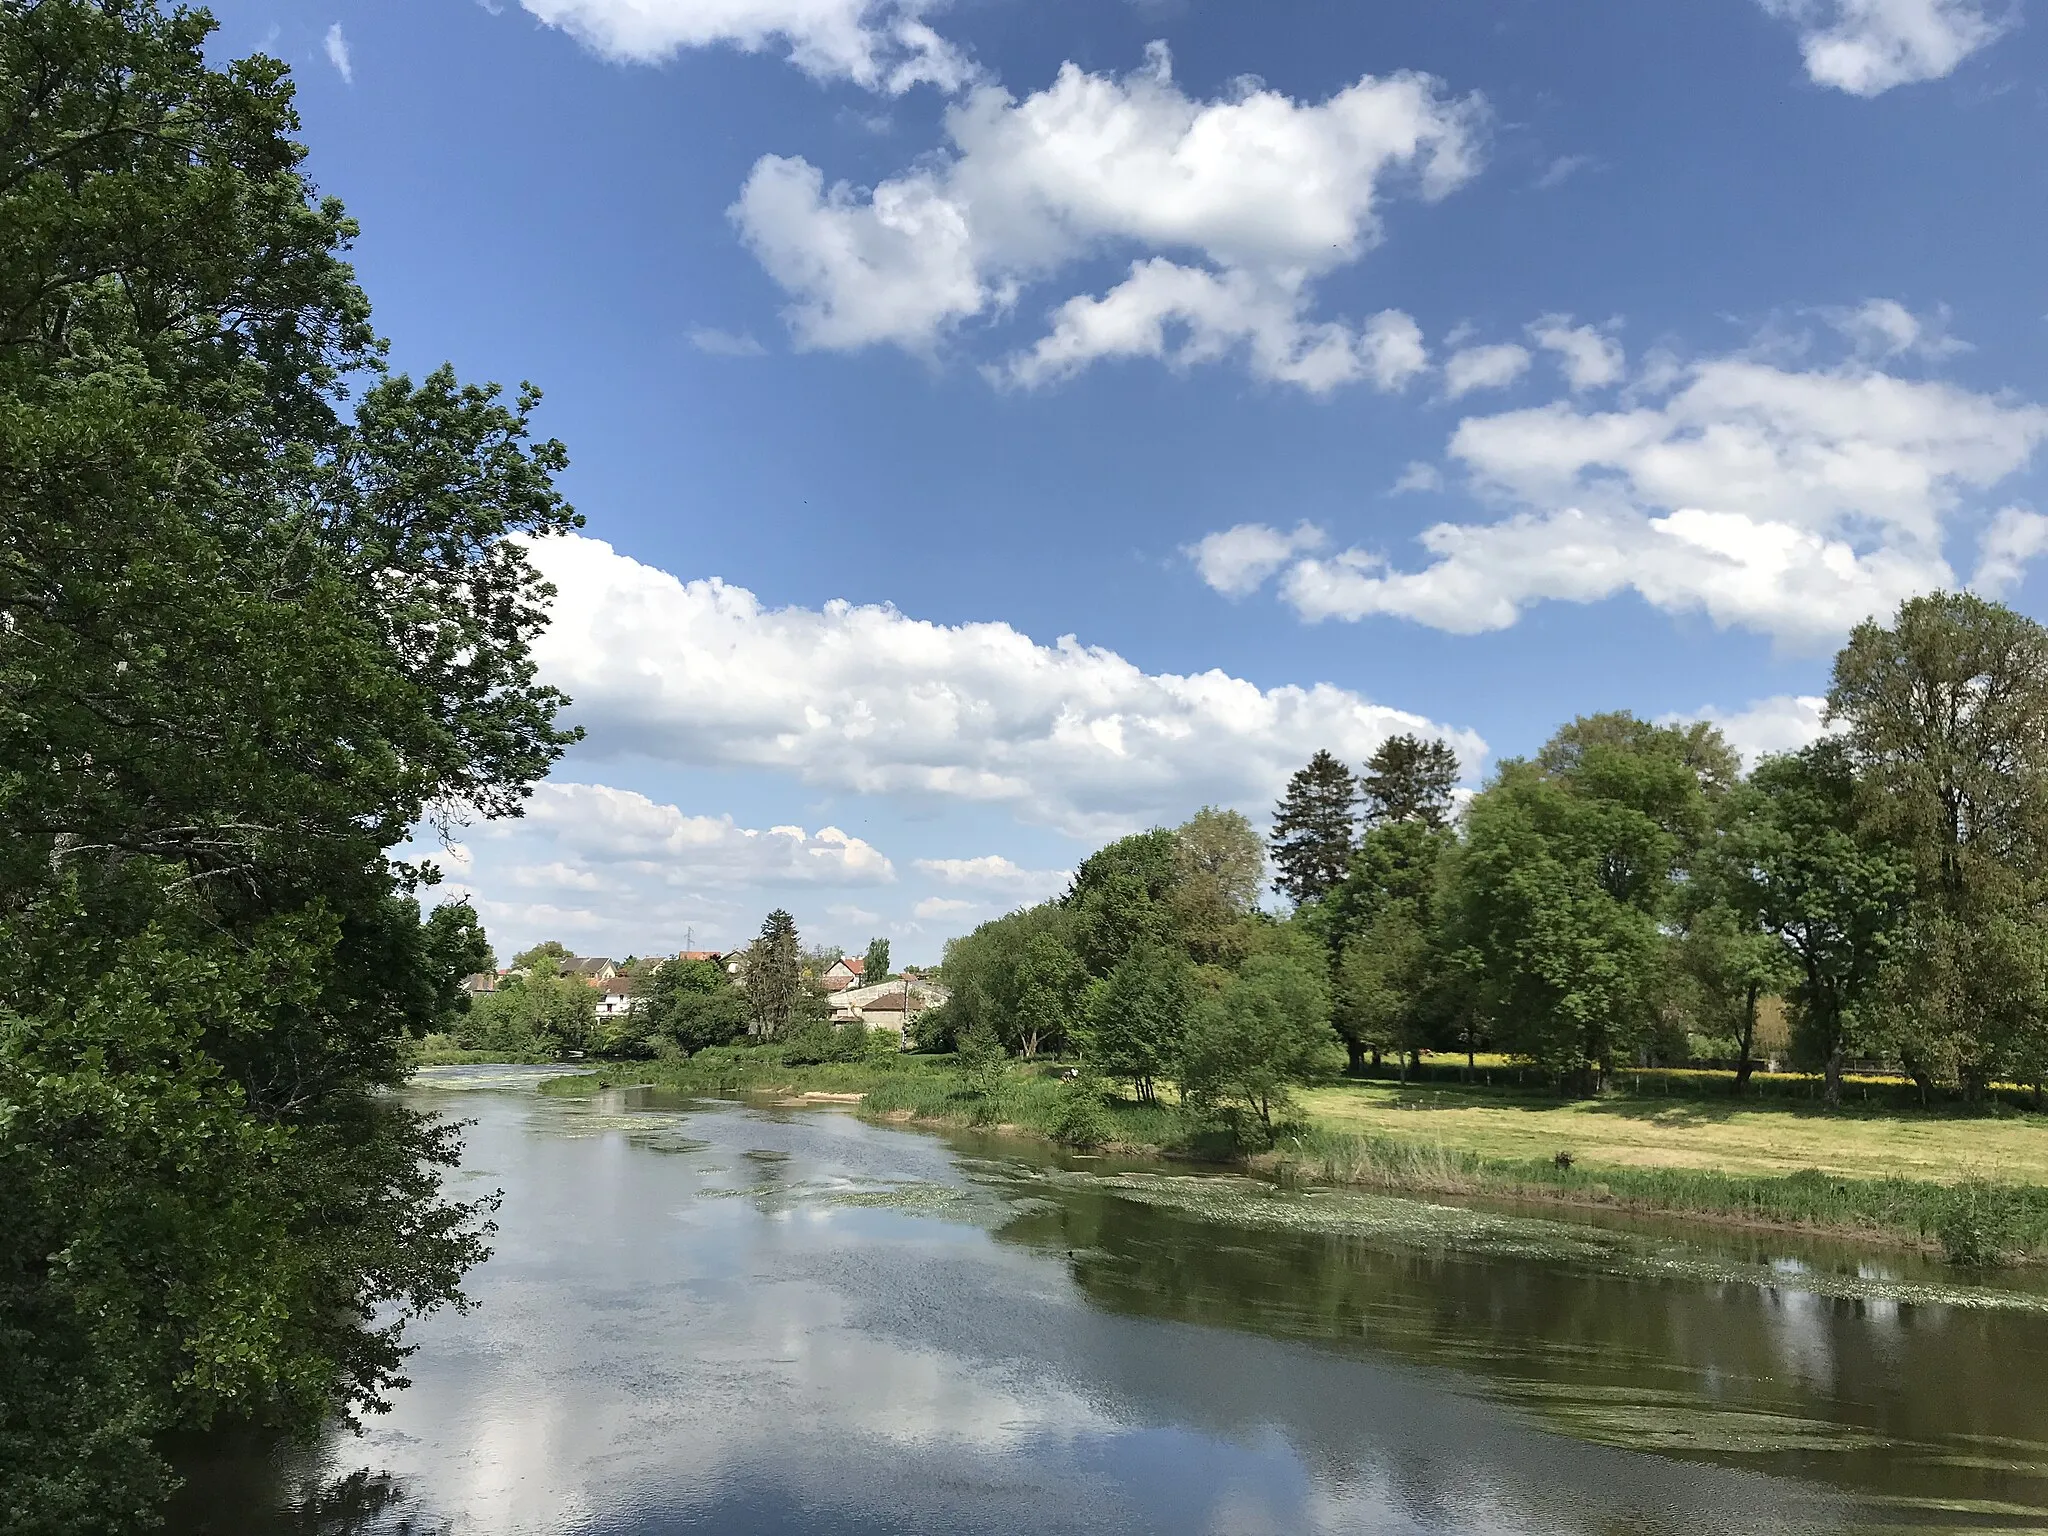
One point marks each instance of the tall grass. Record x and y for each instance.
(1972, 1222)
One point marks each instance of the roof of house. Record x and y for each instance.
(482, 981)
(591, 966)
(888, 1002)
(701, 954)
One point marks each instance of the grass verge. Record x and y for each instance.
(1965, 1216)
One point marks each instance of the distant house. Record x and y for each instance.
(482, 981)
(617, 995)
(890, 1005)
(843, 973)
(597, 969)
(715, 956)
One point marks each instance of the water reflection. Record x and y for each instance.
(715, 1318)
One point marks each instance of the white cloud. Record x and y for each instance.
(598, 865)
(1866, 47)
(1186, 315)
(595, 827)
(1590, 358)
(944, 906)
(1790, 502)
(1420, 475)
(1493, 367)
(993, 872)
(717, 343)
(868, 700)
(1783, 723)
(883, 45)
(1881, 329)
(1267, 194)
(338, 55)
(1238, 560)
(2011, 539)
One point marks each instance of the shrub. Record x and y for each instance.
(1079, 1117)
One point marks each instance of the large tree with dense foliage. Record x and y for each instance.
(693, 1004)
(1266, 1029)
(1138, 1015)
(1565, 878)
(1945, 714)
(875, 964)
(250, 635)
(1315, 828)
(1123, 895)
(1831, 892)
(1220, 870)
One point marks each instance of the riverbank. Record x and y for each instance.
(1972, 1188)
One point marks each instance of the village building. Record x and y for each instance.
(846, 971)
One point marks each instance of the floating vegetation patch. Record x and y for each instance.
(1394, 1220)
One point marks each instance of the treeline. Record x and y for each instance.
(1156, 966)
(1627, 896)
(770, 993)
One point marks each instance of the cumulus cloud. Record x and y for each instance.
(338, 54)
(1790, 502)
(1493, 367)
(1237, 205)
(993, 872)
(1783, 723)
(1186, 315)
(869, 700)
(592, 864)
(883, 45)
(2012, 539)
(1866, 47)
(1239, 560)
(1590, 358)
(944, 907)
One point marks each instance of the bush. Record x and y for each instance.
(1976, 1224)
(1079, 1117)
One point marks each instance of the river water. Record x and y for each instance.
(720, 1317)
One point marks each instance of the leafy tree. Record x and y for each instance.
(1382, 989)
(1221, 867)
(1266, 1030)
(1832, 894)
(1122, 896)
(263, 609)
(1728, 960)
(543, 1011)
(773, 976)
(1395, 976)
(1409, 779)
(986, 972)
(550, 955)
(692, 1004)
(875, 967)
(1315, 828)
(1555, 893)
(983, 1065)
(1944, 716)
(1137, 1016)
(1051, 988)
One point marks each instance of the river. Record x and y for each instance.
(721, 1317)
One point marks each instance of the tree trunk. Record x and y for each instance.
(1743, 1064)
(1357, 1054)
(1833, 1093)
(1030, 1046)
(1375, 1058)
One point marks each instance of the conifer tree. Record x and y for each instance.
(1409, 779)
(1315, 828)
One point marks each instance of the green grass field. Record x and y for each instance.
(1723, 1134)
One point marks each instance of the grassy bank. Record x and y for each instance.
(1973, 1187)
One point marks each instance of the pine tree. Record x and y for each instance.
(1315, 828)
(1409, 779)
(774, 977)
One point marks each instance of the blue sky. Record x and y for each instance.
(1323, 370)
